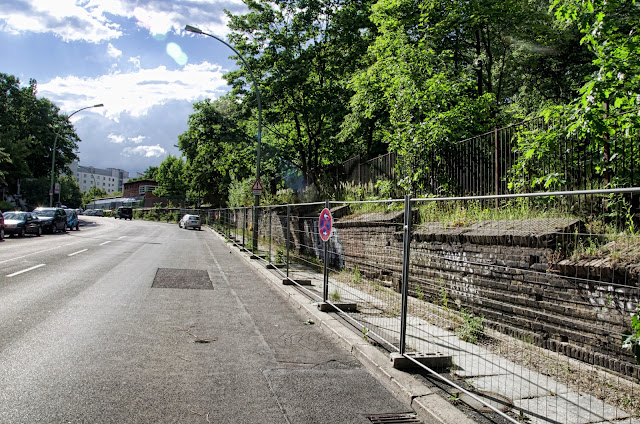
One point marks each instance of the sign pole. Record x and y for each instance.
(325, 286)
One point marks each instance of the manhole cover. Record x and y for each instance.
(395, 418)
(171, 278)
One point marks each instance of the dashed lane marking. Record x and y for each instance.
(103, 243)
(25, 270)
(79, 251)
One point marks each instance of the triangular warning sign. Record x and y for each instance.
(257, 186)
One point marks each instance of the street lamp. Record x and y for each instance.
(53, 155)
(256, 204)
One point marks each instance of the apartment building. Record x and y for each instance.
(109, 179)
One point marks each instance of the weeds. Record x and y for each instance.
(471, 328)
(280, 255)
(356, 277)
(335, 296)
(419, 292)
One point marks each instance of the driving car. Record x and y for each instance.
(190, 221)
(72, 219)
(20, 223)
(53, 219)
(124, 212)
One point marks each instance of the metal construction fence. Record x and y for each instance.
(530, 296)
(526, 154)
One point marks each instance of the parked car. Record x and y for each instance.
(72, 219)
(79, 211)
(53, 219)
(20, 223)
(190, 221)
(124, 212)
(89, 212)
(1, 226)
(98, 212)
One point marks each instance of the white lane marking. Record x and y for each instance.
(37, 252)
(108, 241)
(121, 237)
(79, 251)
(25, 270)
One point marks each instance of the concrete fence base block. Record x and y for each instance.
(346, 307)
(435, 361)
(275, 266)
(290, 282)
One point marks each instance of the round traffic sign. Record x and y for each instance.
(325, 224)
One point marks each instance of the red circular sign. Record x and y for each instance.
(325, 224)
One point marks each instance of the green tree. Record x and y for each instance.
(216, 147)
(440, 72)
(149, 174)
(171, 179)
(302, 53)
(610, 98)
(29, 127)
(92, 194)
(70, 194)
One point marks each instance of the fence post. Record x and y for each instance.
(287, 240)
(244, 224)
(325, 285)
(406, 246)
(270, 258)
(495, 163)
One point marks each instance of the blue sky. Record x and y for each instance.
(132, 56)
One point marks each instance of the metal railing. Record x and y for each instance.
(526, 155)
(530, 295)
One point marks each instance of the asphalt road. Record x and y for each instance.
(85, 338)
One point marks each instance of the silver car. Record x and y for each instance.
(190, 221)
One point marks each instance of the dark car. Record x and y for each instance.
(1, 227)
(72, 219)
(124, 212)
(20, 223)
(53, 219)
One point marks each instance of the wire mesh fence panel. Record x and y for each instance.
(364, 267)
(304, 248)
(531, 299)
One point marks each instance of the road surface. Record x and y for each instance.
(86, 337)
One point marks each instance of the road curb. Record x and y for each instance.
(430, 407)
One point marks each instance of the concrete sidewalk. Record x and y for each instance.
(332, 387)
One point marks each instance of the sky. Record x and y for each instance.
(133, 56)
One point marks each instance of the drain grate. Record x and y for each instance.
(395, 418)
(171, 278)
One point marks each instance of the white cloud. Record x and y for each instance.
(135, 61)
(114, 138)
(65, 18)
(93, 20)
(137, 140)
(113, 51)
(135, 93)
(146, 151)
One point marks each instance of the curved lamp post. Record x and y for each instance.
(53, 155)
(195, 30)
